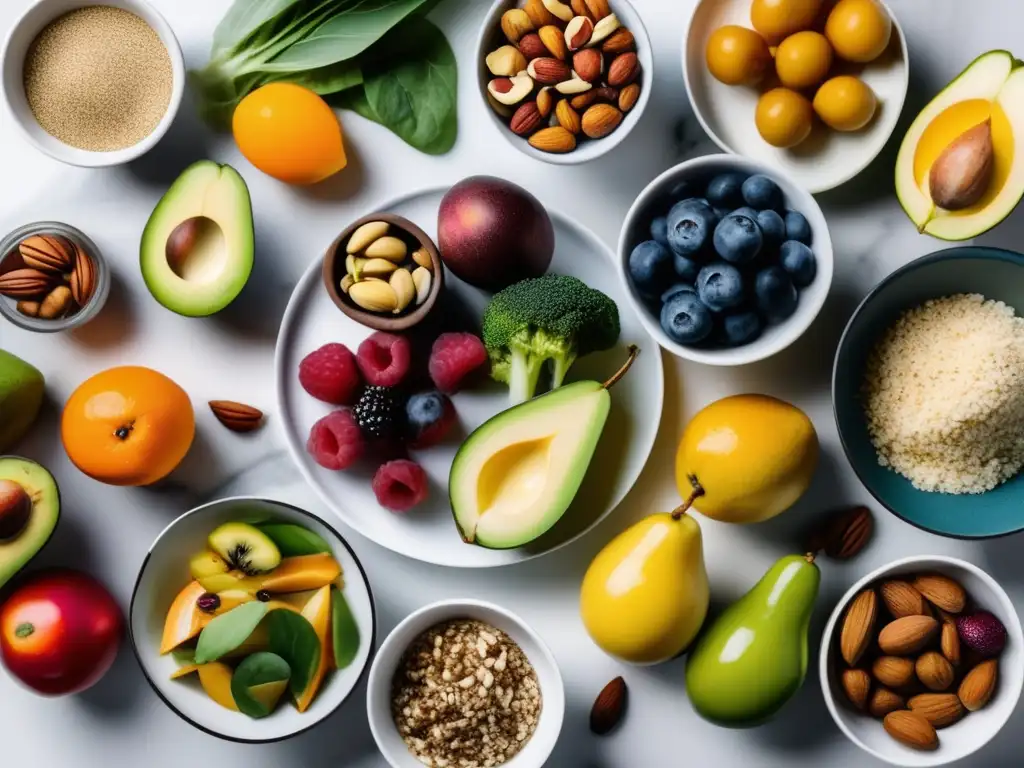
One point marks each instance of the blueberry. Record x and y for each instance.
(689, 204)
(720, 286)
(726, 190)
(689, 228)
(659, 230)
(429, 418)
(798, 260)
(761, 192)
(797, 227)
(776, 295)
(675, 289)
(747, 211)
(686, 268)
(685, 319)
(738, 239)
(772, 227)
(721, 213)
(683, 190)
(741, 328)
(650, 266)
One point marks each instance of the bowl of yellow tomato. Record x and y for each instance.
(813, 88)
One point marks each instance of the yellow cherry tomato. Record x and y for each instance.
(859, 30)
(845, 103)
(803, 60)
(784, 118)
(737, 55)
(778, 19)
(290, 133)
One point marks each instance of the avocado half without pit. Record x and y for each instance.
(958, 172)
(29, 510)
(197, 249)
(517, 474)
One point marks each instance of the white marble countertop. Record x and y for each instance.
(107, 530)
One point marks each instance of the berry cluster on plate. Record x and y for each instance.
(726, 260)
(382, 412)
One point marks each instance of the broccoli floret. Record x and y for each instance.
(556, 318)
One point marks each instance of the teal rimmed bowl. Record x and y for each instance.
(992, 272)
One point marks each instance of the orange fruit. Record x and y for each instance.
(127, 426)
(290, 133)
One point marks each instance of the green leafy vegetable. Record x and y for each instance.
(228, 631)
(183, 656)
(294, 540)
(344, 630)
(293, 638)
(258, 682)
(378, 57)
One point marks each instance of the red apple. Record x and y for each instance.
(492, 233)
(59, 632)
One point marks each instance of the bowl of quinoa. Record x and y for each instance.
(928, 392)
(465, 684)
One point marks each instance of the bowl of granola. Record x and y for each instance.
(466, 683)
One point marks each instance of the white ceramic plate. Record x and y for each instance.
(826, 159)
(163, 574)
(428, 532)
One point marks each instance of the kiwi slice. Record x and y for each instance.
(245, 548)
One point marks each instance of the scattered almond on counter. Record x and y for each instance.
(608, 707)
(237, 417)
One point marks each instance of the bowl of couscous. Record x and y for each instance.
(928, 392)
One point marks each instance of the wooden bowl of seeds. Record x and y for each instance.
(384, 272)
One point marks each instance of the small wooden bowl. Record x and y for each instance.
(334, 270)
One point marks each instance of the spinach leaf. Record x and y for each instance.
(344, 35)
(294, 540)
(259, 681)
(325, 80)
(245, 17)
(228, 631)
(344, 630)
(184, 656)
(293, 638)
(413, 91)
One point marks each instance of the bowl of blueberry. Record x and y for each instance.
(726, 260)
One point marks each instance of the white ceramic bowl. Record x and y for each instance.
(825, 160)
(16, 45)
(378, 695)
(974, 731)
(165, 571)
(775, 338)
(491, 38)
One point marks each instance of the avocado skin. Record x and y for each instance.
(42, 488)
(21, 398)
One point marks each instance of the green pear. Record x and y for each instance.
(21, 397)
(754, 657)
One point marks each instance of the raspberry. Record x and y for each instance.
(430, 416)
(330, 374)
(335, 442)
(453, 358)
(384, 359)
(400, 485)
(380, 413)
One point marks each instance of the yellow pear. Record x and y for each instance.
(746, 458)
(645, 596)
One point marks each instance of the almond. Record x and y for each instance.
(893, 671)
(843, 534)
(598, 9)
(629, 96)
(26, 283)
(857, 626)
(883, 701)
(538, 14)
(49, 253)
(600, 120)
(907, 635)
(979, 685)
(548, 70)
(56, 304)
(556, 140)
(237, 417)
(934, 671)
(584, 100)
(546, 101)
(579, 7)
(552, 38)
(901, 599)
(83, 279)
(949, 641)
(624, 69)
(588, 64)
(578, 33)
(516, 23)
(526, 119)
(939, 709)
(857, 685)
(532, 47)
(608, 707)
(567, 117)
(941, 591)
(911, 729)
(619, 41)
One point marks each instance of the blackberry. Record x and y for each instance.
(380, 413)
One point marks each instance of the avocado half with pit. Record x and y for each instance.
(197, 249)
(29, 511)
(960, 171)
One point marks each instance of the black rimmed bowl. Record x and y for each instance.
(991, 272)
(165, 572)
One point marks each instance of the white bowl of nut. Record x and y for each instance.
(490, 679)
(564, 82)
(922, 661)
